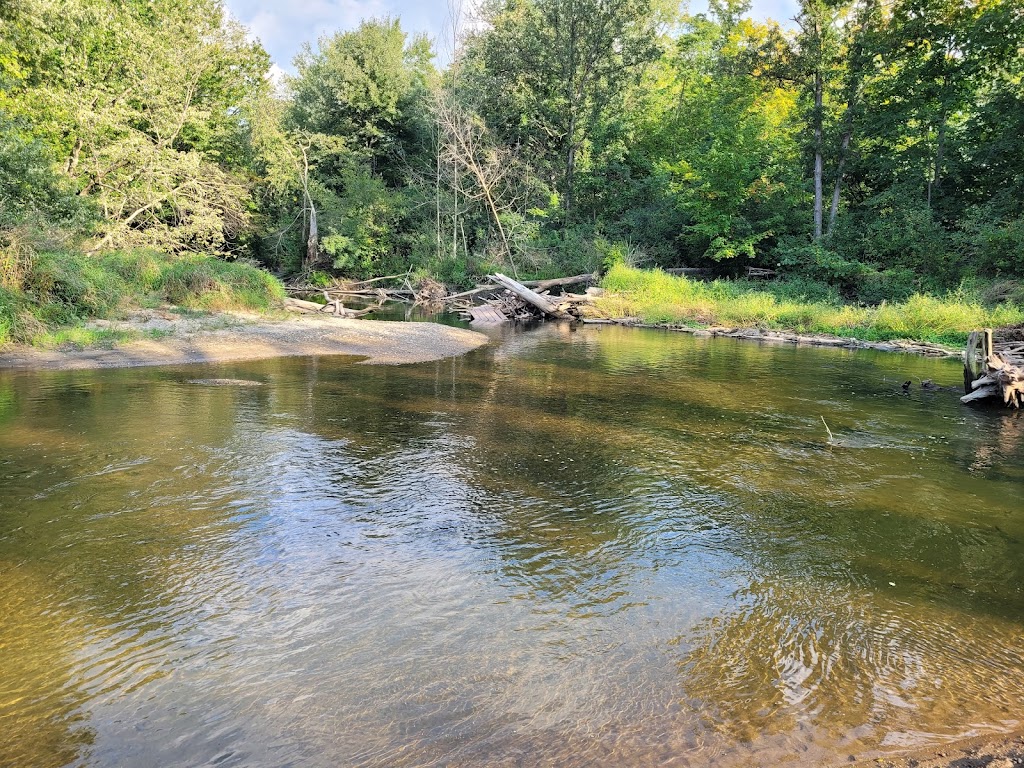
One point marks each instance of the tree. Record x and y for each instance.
(727, 139)
(553, 70)
(350, 142)
(368, 86)
(142, 102)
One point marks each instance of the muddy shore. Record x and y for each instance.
(167, 338)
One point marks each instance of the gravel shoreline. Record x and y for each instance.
(167, 338)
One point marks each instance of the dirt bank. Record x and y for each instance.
(167, 338)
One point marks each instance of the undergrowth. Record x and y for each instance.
(805, 307)
(50, 294)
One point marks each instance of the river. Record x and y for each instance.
(605, 546)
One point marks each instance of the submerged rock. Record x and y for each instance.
(226, 382)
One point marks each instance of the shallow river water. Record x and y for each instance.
(596, 547)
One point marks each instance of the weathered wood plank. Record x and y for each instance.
(485, 314)
(980, 394)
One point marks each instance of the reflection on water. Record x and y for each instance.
(606, 546)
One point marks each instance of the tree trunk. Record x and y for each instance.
(72, 161)
(570, 176)
(818, 169)
(312, 243)
(313, 236)
(530, 297)
(844, 147)
(940, 150)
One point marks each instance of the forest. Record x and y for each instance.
(865, 151)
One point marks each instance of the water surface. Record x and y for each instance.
(602, 547)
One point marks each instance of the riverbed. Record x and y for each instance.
(601, 546)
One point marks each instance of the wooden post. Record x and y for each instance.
(974, 361)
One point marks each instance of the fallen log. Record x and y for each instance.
(980, 394)
(334, 308)
(378, 280)
(687, 271)
(372, 292)
(471, 292)
(546, 306)
(543, 285)
(298, 305)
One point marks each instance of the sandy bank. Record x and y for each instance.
(169, 339)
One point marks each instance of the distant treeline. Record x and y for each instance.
(876, 146)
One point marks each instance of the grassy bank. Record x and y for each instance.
(46, 297)
(656, 297)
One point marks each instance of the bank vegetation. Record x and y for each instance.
(866, 153)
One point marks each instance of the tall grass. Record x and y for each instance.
(657, 297)
(52, 290)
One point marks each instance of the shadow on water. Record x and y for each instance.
(602, 546)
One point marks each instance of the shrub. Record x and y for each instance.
(995, 243)
(69, 286)
(140, 269)
(204, 282)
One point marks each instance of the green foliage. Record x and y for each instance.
(61, 289)
(566, 136)
(201, 282)
(320, 279)
(366, 86)
(360, 224)
(141, 269)
(552, 72)
(993, 242)
(138, 109)
(16, 320)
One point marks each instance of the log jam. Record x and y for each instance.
(994, 366)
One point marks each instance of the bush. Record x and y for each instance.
(18, 323)
(888, 285)
(140, 269)
(70, 286)
(994, 243)
(61, 288)
(204, 282)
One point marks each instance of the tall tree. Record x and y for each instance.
(554, 69)
(142, 104)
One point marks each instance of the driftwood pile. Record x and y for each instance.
(365, 290)
(994, 366)
(500, 300)
(504, 299)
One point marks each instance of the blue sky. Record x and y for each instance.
(284, 25)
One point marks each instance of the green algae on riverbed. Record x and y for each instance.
(583, 547)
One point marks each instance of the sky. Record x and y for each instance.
(284, 25)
